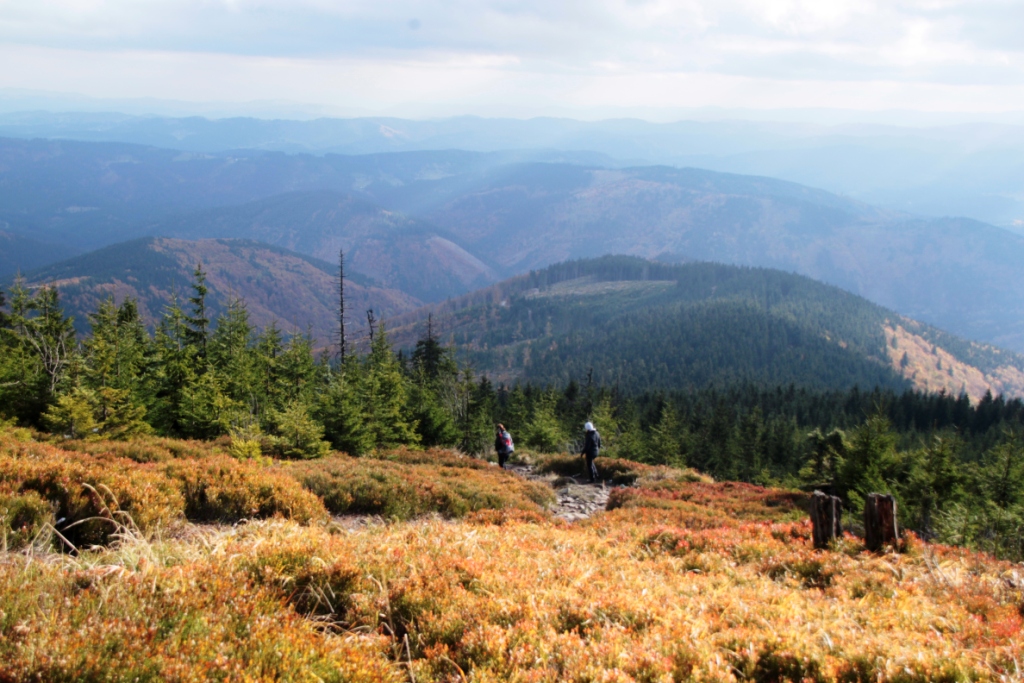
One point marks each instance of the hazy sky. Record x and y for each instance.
(586, 58)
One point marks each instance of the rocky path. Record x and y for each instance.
(576, 498)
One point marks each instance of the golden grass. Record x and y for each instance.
(518, 601)
(682, 581)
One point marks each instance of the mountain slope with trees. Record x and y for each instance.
(298, 293)
(398, 251)
(641, 325)
(494, 215)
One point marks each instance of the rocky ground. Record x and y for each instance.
(577, 498)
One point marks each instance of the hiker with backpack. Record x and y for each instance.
(591, 448)
(503, 445)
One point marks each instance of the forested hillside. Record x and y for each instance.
(298, 293)
(640, 325)
(475, 217)
(397, 251)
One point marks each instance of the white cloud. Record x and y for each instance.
(760, 53)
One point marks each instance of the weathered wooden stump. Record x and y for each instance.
(880, 527)
(826, 516)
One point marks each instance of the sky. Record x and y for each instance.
(583, 58)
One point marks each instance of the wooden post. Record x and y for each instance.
(826, 516)
(880, 521)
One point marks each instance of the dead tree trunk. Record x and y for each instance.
(826, 516)
(880, 521)
(342, 341)
(371, 320)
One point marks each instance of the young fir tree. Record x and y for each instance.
(270, 387)
(667, 442)
(297, 434)
(198, 323)
(544, 431)
(231, 357)
(385, 396)
(73, 414)
(474, 414)
(299, 374)
(48, 338)
(114, 357)
(179, 369)
(826, 451)
(21, 376)
(339, 409)
(433, 393)
(870, 463)
(937, 480)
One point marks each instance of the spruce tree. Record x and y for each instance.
(197, 330)
(385, 395)
(231, 356)
(114, 354)
(340, 409)
(668, 438)
(179, 368)
(434, 391)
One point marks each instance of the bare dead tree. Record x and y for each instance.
(51, 335)
(371, 320)
(341, 306)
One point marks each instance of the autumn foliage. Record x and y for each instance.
(684, 580)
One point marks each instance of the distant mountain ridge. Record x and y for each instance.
(641, 325)
(971, 170)
(469, 219)
(297, 292)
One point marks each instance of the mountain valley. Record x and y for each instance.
(440, 224)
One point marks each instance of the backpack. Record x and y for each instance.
(506, 439)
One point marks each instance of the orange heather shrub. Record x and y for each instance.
(617, 471)
(222, 489)
(702, 504)
(683, 581)
(554, 602)
(90, 498)
(199, 621)
(23, 518)
(403, 484)
(145, 448)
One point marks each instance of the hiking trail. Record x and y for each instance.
(576, 498)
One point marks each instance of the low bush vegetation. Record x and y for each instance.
(95, 495)
(91, 498)
(615, 471)
(526, 599)
(684, 579)
(24, 518)
(402, 484)
(144, 449)
(222, 489)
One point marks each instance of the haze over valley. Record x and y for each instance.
(437, 224)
